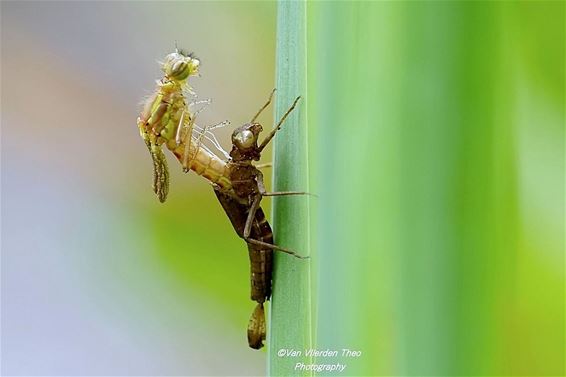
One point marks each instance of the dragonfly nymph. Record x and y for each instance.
(167, 119)
(242, 206)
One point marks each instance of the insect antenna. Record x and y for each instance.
(278, 127)
(264, 106)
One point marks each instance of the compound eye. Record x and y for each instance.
(244, 139)
(178, 68)
(195, 63)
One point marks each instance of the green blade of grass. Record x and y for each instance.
(290, 315)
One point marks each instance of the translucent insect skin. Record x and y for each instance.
(242, 206)
(167, 119)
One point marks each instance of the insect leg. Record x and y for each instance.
(188, 142)
(264, 192)
(180, 128)
(287, 193)
(264, 106)
(212, 138)
(251, 216)
(274, 247)
(266, 165)
(278, 127)
(248, 227)
(206, 102)
(188, 159)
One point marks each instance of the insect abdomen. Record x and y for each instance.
(205, 164)
(261, 259)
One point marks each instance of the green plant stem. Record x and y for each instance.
(290, 315)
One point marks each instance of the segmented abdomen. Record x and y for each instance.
(261, 259)
(205, 164)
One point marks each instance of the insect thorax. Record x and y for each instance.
(243, 178)
(162, 112)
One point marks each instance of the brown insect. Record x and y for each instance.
(242, 205)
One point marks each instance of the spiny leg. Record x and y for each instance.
(278, 127)
(264, 106)
(248, 227)
(274, 247)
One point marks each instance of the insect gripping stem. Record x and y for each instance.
(167, 120)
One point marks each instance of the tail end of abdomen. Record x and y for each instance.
(256, 327)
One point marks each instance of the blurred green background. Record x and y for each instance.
(437, 151)
(439, 135)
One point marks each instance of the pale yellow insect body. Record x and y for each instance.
(167, 119)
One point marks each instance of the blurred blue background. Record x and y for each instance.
(98, 277)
